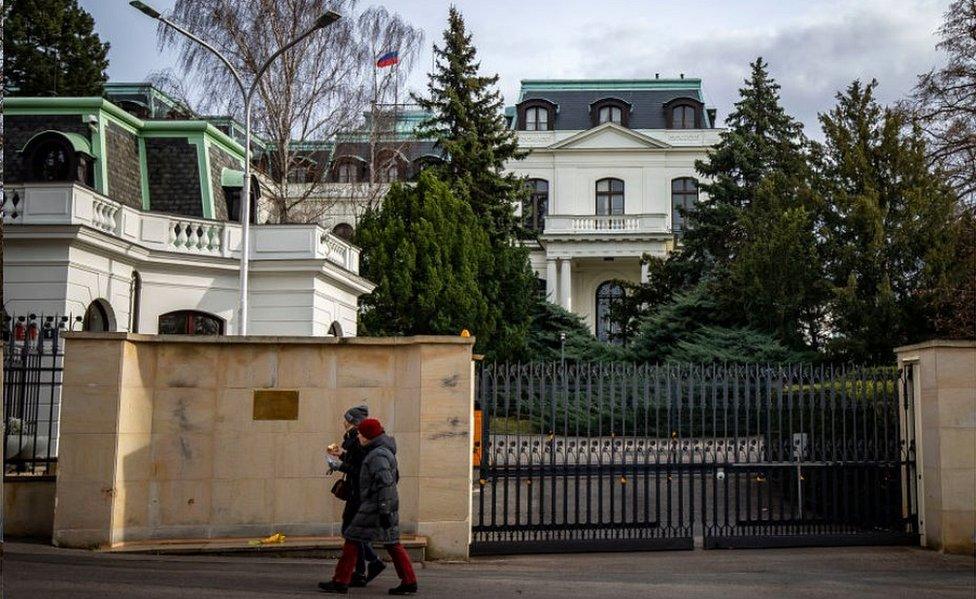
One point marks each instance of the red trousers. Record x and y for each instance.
(350, 551)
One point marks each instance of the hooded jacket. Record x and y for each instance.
(378, 496)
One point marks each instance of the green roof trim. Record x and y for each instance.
(78, 141)
(230, 177)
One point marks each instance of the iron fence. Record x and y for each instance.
(33, 361)
(622, 456)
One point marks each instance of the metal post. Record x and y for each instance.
(326, 19)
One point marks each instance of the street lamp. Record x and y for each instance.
(326, 19)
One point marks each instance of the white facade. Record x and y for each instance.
(578, 250)
(67, 246)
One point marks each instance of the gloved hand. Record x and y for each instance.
(385, 521)
(333, 462)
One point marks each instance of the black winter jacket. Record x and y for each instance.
(378, 495)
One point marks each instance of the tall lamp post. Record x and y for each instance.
(326, 19)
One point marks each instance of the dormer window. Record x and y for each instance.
(536, 114)
(684, 113)
(610, 110)
(55, 156)
(349, 169)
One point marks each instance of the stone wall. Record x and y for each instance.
(28, 508)
(944, 385)
(124, 178)
(220, 159)
(19, 128)
(174, 176)
(161, 439)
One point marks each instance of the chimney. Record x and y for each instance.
(657, 75)
(682, 75)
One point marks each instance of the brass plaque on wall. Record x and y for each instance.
(275, 404)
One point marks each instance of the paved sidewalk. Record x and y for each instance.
(838, 573)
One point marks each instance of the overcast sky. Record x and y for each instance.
(814, 47)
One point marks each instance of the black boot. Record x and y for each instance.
(373, 570)
(404, 589)
(334, 587)
(358, 580)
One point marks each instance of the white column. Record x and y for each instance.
(566, 283)
(645, 275)
(552, 289)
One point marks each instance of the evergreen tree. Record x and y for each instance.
(425, 250)
(761, 139)
(51, 49)
(889, 227)
(468, 123)
(556, 333)
(680, 331)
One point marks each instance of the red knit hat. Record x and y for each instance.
(370, 428)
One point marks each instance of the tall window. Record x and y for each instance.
(683, 117)
(537, 118)
(611, 114)
(389, 172)
(684, 194)
(609, 197)
(536, 206)
(347, 171)
(190, 322)
(608, 297)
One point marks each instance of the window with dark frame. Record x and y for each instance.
(347, 171)
(537, 118)
(389, 172)
(608, 297)
(610, 114)
(609, 197)
(684, 195)
(190, 322)
(536, 206)
(96, 318)
(683, 117)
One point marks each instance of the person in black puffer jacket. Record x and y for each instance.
(368, 564)
(377, 520)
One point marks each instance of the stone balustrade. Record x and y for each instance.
(71, 204)
(607, 224)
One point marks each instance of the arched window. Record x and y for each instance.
(424, 162)
(536, 206)
(190, 322)
(54, 156)
(343, 231)
(335, 329)
(608, 297)
(684, 113)
(99, 317)
(684, 195)
(609, 197)
(349, 169)
(389, 172)
(536, 114)
(609, 110)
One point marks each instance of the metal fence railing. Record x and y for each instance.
(33, 362)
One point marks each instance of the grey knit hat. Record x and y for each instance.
(357, 414)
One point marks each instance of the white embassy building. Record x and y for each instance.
(609, 163)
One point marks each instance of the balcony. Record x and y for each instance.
(71, 204)
(623, 225)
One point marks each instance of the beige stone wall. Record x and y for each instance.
(944, 374)
(28, 508)
(158, 439)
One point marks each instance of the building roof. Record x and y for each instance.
(574, 97)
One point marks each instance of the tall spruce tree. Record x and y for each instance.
(889, 227)
(467, 121)
(425, 249)
(51, 49)
(761, 139)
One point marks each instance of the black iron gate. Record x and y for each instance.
(614, 457)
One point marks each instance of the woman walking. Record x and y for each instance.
(368, 564)
(377, 519)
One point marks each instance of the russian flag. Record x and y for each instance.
(388, 60)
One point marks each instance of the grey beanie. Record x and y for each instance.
(357, 414)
